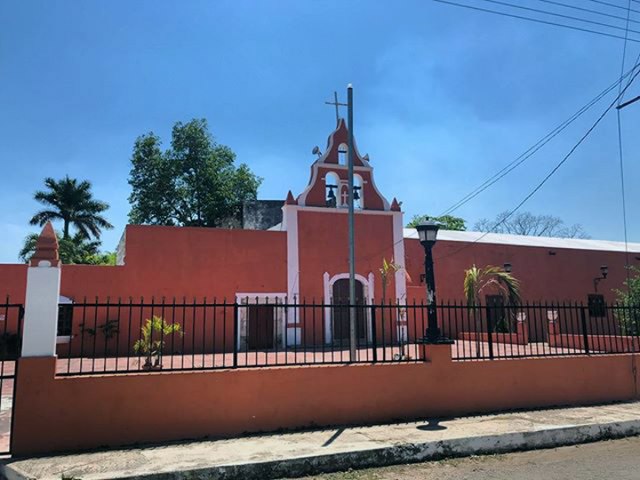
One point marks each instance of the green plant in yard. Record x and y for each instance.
(491, 279)
(153, 336)
(388, 268)
(629, 301)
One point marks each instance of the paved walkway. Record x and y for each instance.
(304, 453)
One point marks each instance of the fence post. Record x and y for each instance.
(374, 340)
(585, 336)
(41, 298)
(489, 332)
(235, 333)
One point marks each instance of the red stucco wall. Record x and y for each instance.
(58, 414)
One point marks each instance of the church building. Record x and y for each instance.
(304, 258)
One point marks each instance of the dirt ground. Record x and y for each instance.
(615, 459)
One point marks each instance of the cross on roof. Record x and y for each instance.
(337, 105)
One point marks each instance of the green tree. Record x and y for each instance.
(629, 302)
(193, 183)
(448, 222)
(73, 250)
(71, 202)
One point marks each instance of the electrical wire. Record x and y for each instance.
(531, 150)
(588, 10)
(614, 5)
(569, 17)
(536, 20)
(553, 170)
(621, 160)
(631, 79)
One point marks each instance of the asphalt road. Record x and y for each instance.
(615, 459)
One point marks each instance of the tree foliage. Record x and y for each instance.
(448, 222)
(629, 298)
(479, 281)
(193, 183)
(73, 250)
(527, 223)
(154, 334)
(71, 202)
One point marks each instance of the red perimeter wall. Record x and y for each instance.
(73, 413)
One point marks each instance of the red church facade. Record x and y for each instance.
(305, 260)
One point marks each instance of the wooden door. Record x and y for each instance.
(341, 313)
(261, 327)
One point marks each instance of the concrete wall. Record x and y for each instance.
(71, 413)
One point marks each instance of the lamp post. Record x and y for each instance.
(428, 232)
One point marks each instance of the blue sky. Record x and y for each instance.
(444, 98)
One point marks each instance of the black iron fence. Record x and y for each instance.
(11, 316)
(167, 335)
(540, 329)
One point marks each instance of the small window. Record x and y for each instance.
(596, 305)
(342, 154)
(65, 319)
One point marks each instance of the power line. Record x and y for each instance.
(553, 170)
(597, 12)
(536, 20)
(614, 5)
(532, 150)
(569, 17)
(621, 157)
(607, 90)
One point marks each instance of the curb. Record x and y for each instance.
(391, 455)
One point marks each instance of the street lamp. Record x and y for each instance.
(428, 233)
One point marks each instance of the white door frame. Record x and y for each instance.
(257, 299)
(368, 292)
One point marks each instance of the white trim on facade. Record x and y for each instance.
(41, 311)
(400, 274)
(339, 210)
(280, 315)
(528, 241)
(368, 292)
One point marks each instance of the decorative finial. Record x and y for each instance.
(290, 200)
(395, 206)
(46, 254)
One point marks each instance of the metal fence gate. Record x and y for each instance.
(11, 316)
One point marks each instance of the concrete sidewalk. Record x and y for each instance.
(304, 453)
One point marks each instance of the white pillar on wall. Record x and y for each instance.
(400, 274)
(41, 298)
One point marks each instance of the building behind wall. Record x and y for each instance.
(297, 248)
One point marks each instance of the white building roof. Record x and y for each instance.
(527, 241)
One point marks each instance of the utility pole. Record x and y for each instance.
(353, 337)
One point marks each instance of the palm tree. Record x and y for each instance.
(76, 249)
(490, 278)
(73, 203)
(478, 280)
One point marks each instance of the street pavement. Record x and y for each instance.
(613, 459)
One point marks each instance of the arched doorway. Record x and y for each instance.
(340, 312)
